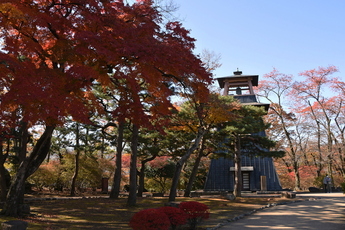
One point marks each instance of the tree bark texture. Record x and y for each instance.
(238, 172)
(297, 177)
(15, 195)
(24, 137)
(194, 170)
(182, 161)
(4, 174)
(115, 189)
(132, 197)
(141, 186)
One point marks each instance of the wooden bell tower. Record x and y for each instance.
(221, 173)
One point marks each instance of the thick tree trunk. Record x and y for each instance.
(3, 183)
(15, 196)
(194, 170)
(132, 197)
(24, 137)
(297, 177)
(181, 162)
(4, 175)
(115, 189)
(141, 180)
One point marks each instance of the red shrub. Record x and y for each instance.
(150, 219)
(196, 212)
(175, 215)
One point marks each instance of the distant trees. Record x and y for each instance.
(160, 175)
(305, 117)
(276, 88)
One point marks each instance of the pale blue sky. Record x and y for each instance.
(259, 35)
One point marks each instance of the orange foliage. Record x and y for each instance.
(159, 162)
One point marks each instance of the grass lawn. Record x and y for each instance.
(105, 213)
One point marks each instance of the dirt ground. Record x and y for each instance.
(97, 211)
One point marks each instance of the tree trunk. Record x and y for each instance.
(132, 197)
(297, 179)
(76, 161)
(319, 162)
(15, 196)
(238, 172)
(194, 170)
(3, 183)
(24, 136)
(141, 181)
(182, 161)
(340, 164)
(115, 189)
(141, 186)
(3, 173)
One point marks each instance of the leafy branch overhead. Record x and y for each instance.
(66, 48)
(90, 61)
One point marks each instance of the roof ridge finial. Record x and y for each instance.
(237, 72)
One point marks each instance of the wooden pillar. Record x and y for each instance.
(250, 85)
(226, 88)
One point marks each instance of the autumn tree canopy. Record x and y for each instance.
(306, 116)
(56, 51)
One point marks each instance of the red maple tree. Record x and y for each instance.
(55, 51)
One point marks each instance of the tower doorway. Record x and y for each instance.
(245, 181)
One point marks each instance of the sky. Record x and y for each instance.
(257, 36)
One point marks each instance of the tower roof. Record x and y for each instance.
(238, 79)
(238, 83)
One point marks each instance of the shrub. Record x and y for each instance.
(150, 219)
(176, 216)
(46, 176)
(196, 212)
(318, 182)
(343, 187)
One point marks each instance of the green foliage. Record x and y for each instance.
(200, 178)
(318, 181)
(249, 120)
(166, 171)
(248, 129)
(46, 176)
(90, 174)
(12, 164)
(159, 178)
(57, 175)
(91, 140)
